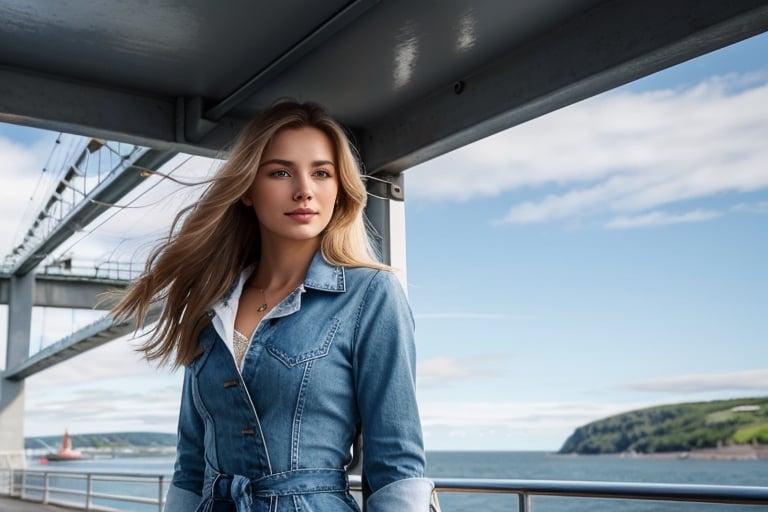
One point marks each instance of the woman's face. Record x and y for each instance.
(295, 189)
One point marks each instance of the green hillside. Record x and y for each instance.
(679, 427)
(105, 440)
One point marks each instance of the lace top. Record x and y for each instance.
(240, 344)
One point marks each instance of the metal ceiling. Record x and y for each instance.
(413, 79)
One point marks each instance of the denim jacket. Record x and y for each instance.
(334, 356)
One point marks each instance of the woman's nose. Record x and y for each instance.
(303, 190)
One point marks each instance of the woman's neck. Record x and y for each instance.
(283, 265)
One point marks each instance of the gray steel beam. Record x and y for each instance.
(109, 191)
(610, 45)
(377, 212)
(382, 190)
(163, 122)
(344, 17)
(64, 291)
(57, 104)
(91, 336)
(17, 350)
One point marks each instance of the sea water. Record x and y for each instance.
(516, 465)
(607, 468)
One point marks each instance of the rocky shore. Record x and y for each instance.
(730, 452)
(733, 452)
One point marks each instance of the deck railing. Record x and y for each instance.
(525, 490)
(79, 490)
(88, 491)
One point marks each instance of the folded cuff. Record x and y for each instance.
(407, 495)
(181, 500)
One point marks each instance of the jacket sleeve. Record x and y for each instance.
(385, 371)
(184, 495)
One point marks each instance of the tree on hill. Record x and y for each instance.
(678, 427)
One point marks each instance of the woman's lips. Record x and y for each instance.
(302, 215)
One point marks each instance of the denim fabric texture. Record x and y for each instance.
(336, 355)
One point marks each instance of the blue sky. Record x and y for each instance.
(605, 257)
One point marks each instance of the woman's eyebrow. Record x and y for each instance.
(288, 163)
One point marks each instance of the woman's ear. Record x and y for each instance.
(246, 201)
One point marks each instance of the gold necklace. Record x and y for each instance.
(264, 306)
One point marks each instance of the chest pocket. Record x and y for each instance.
(294, 344)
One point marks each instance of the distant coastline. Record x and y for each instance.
(729, 452)
(735, 428)
(107, 444)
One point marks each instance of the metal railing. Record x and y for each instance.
(82, 490)
(46, 487)
(525, 490)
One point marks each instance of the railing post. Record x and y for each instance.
(46, 487)
(160, 493)
(523, 502)
(89, 491)
(23, 484)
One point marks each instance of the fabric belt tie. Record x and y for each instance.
(241, 490)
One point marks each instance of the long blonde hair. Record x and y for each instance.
(211, 241)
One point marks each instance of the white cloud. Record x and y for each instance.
(443, 367)
(102, 410)
(661, 219)
(746, 380)
(22, 167)
(115, 359)
(621, 154)
(517, 414)
(436, 371)
(109, 388)
(759, 207)
(506, 425)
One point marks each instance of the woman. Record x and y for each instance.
(292, 336)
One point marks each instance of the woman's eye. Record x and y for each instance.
(280, 173)
(322, 173)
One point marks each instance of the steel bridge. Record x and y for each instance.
(411, 80)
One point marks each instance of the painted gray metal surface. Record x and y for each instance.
(610, 45)
(414, 79)
(90, 336)
(661, 492)
(17, 350)
(65, 291)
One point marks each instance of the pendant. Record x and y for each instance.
(262, 308)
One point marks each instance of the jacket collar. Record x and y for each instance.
(321, 275)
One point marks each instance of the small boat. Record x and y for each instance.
(66, 452)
